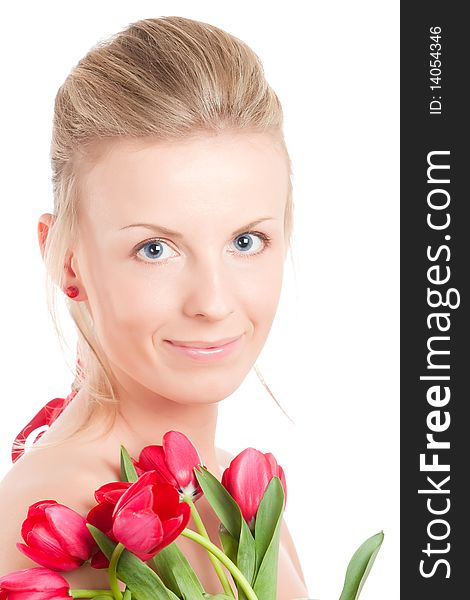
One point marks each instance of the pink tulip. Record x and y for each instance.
(146, 517)
(56, 536)
(174, 463)
(33, 584)
(247, 478)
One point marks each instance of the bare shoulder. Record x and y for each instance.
(49, 474)
(223, 457)
(288, 544)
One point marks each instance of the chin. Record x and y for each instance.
(206, 394)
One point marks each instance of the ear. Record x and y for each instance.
(45, 223)
(71, 273)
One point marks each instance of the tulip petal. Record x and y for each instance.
(152, 458)
(37, 509)
(101, 517)
(139, 531)
(45, 558)
(99, 561)
(69, 527)
(142, 500)
(111, 492)
(35, 515)
(55, 595)
(282, 477)
(225, 477)
(145, 481)
(272, 462)
(173, 527)
(248, 476)
(28, 595)
(277, 471)
(147, 516)
(36, 578)
(166, 501)
(28, 524)
(181, 457)
(137, 468)
(41, 536)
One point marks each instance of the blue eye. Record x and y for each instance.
(154, 250)
(244, 241)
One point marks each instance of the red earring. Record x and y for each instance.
(72, 291)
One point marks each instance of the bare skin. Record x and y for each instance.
(143, 287)
(75, 469)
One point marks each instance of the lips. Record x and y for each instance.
(200, 344)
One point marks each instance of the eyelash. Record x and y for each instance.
(265, 238)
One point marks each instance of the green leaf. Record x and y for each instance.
(128, 472)
(103, 597)
(359, 567)
(177, 573)
(221, 501)
(265, 585)
(229, 543)
(270, 507)
(142, 581)
(105, 544)
(218, 597)
(246, 557)
(243, 554)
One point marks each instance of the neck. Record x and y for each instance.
(143, 417)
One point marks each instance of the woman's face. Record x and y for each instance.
(216, 275)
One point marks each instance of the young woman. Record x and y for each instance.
(172, 220)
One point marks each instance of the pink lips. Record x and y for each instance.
(199, 344)
(206, 353)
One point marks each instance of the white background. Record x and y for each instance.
(332, 356)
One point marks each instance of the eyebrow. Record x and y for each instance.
(176, 234)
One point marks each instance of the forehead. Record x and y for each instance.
(219, 174)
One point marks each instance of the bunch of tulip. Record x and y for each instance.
(131, 531)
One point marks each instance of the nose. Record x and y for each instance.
(210, 290)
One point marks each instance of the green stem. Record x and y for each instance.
(224, 559)
(89, 593)
(202, 530)
(113, 580)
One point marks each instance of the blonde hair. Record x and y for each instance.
(164, 79)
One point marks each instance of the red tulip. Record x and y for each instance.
(147, 516)
(33, 584)
(101, 516)
(56, 536)
(247, 478)
(174, 463)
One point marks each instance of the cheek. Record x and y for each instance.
(271, 279)
(127, 302)
(131, 310)
(261, 296)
